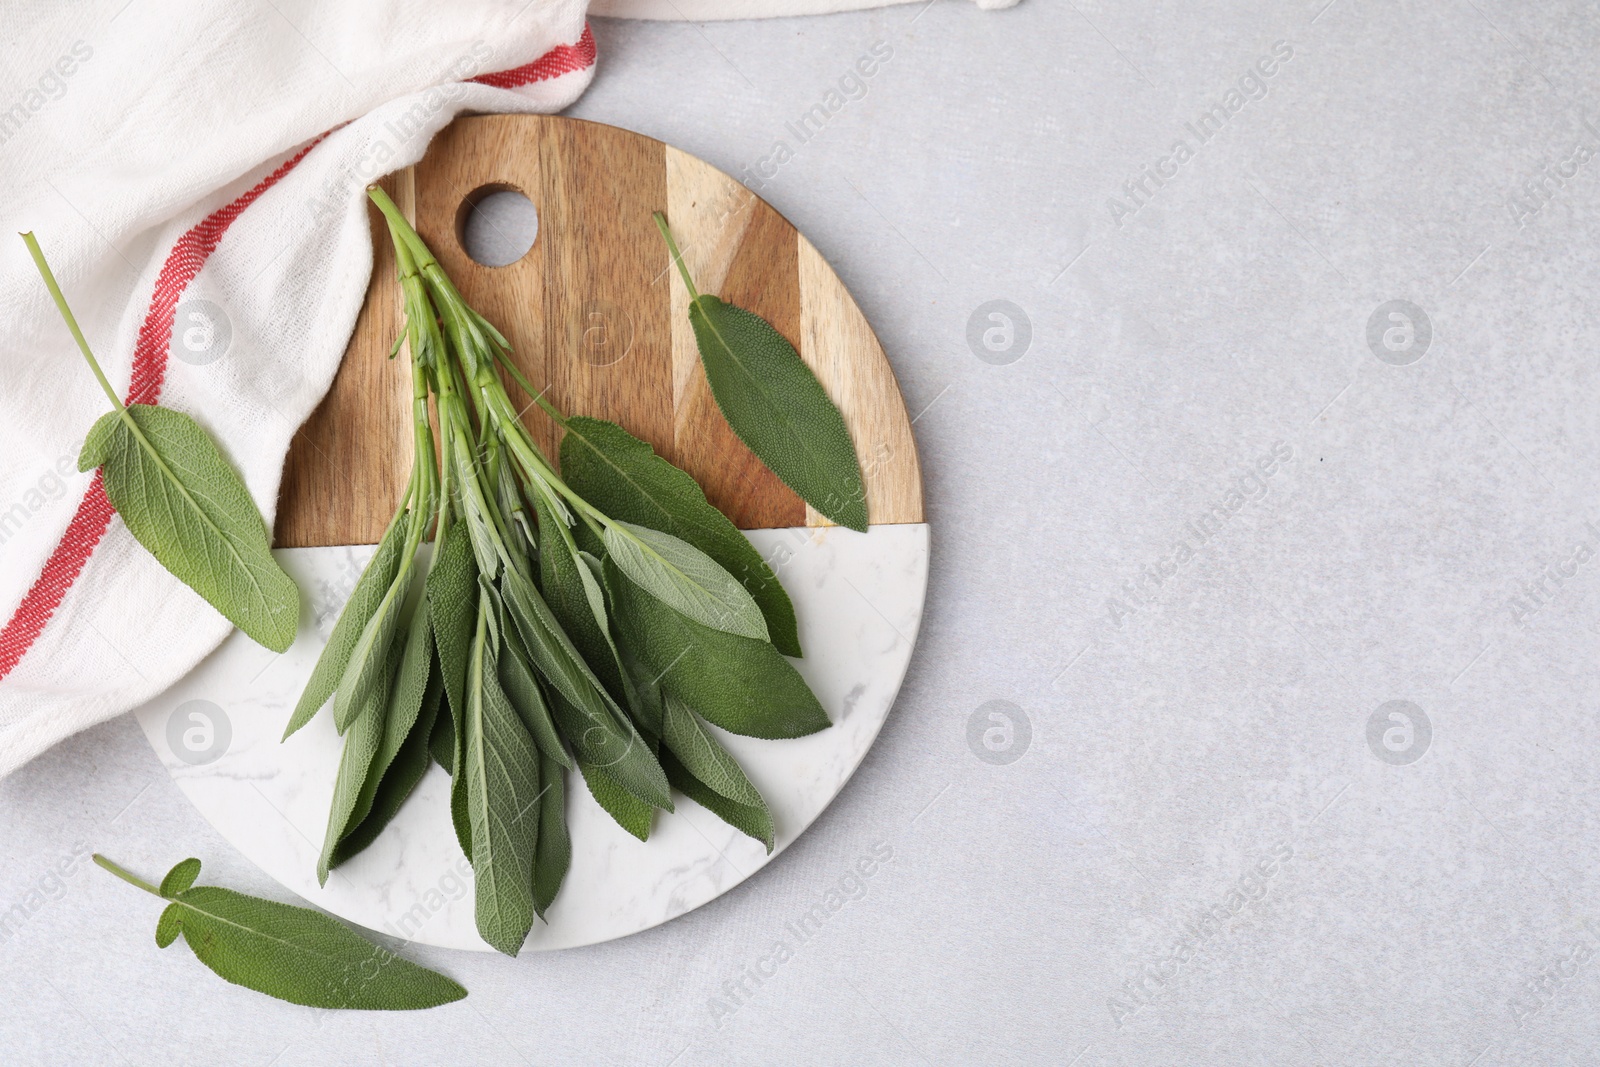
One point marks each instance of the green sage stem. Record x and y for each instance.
(66, 313)
(83, 346)
(677, 257)
(126, 876)
(537, 396)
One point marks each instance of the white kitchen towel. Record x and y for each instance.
(707, 10)
(195, 172)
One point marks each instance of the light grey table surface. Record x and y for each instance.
(1195, 834)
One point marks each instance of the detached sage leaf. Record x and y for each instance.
(293, 954)
(685, 579)
(775, 404)
(183, 501)
(623, 477)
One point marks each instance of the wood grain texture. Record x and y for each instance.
(736, 246)
(844, 354)
(348, 465)
(598, 317)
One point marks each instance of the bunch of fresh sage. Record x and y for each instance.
(599, 617)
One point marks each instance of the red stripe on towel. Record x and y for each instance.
(149, 371)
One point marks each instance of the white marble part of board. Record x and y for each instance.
(858, 599)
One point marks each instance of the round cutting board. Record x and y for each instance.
(597, 317)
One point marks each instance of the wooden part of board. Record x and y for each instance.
(348, 465)
(844, 354)
(736, 246)
(597, 316)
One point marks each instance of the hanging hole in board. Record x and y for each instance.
(496, 225)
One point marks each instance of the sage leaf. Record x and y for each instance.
(593, 592)
(353, 618)
(553, 851)
(698, 765)
(501, 769)
(702, 756)
(641, 679)
(404, 707)
(630, 813)
(646, 694)
(775, 404)
(361, 744)
(294, 954)
(475, 506)
(756, 821)
(300, 955)
(619, 750)
(588, 569)
(168, 926)
(588, 716)
(571, 601)
(460, 812)
(183, 501)
(742, 685)
(522, 689)
(685, 579)
(406, 770)
(637, 689)
(442, 744)
(452, 592)
(623, 477)
(369, 664)
(181, 877)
